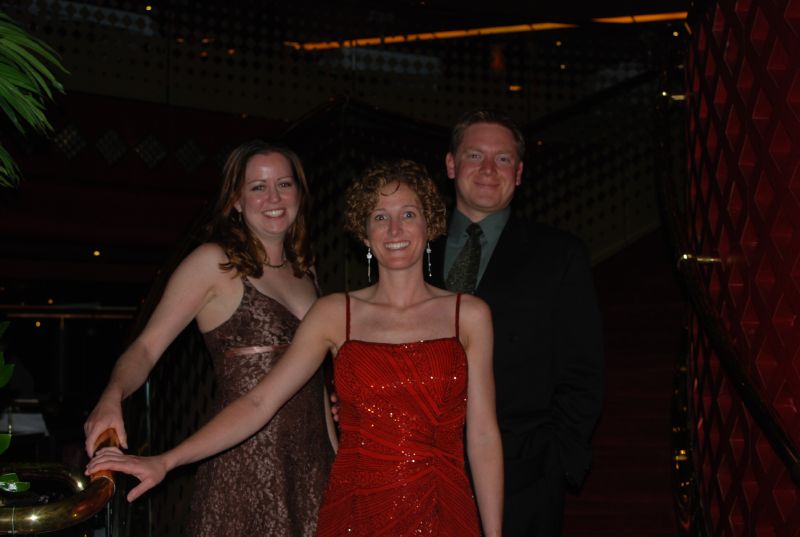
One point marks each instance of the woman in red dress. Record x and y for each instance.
(412, 366)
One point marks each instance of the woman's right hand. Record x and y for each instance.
(150, 471)
(106, 415)
(335, 407)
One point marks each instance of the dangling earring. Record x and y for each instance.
(369, 264)
(428, 251)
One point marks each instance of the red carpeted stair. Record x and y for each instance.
(628, 492)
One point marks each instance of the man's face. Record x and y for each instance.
(486, 169)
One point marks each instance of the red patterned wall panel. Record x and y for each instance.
(744, 203)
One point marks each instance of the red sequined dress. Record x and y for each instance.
(400, 468)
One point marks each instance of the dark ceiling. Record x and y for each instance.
(352, 18)
(507, 11)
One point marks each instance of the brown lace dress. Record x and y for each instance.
(272, 483)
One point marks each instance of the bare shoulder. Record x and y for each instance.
(332, 305)
(326, 319)
(205, 257)
(202, 267)
(475, 321)
(438, 292)
(474, 309)
(208, 253)
(362, 294)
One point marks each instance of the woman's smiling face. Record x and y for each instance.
(396, 227)
(270, 197)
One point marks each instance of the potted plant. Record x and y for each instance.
(26, 86)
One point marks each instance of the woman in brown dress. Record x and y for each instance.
(247, 288)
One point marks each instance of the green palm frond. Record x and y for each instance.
(8, 169)
(26, 84)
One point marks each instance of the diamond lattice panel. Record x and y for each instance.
(744, 147)
(743, 484)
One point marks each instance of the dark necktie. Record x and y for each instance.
(463, 275)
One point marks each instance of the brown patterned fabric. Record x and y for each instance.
(271, 484)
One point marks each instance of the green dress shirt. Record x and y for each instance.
(492, 227)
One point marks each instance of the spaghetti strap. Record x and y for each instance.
(347, 317)
(458, 307)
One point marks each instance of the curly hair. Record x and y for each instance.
(227, 227)
(362, 195)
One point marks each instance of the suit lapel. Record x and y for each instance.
(505, 258)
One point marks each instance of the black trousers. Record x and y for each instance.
(535, 507)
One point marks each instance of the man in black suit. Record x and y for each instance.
(548, 348)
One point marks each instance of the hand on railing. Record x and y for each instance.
(89, 498)
(150, 471)
(107, 414)
(107, 438)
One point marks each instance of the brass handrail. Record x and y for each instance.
(729, 359)
(721, 341)
(91, 495)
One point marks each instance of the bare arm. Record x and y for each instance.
(242, 418)
(484, 448)
(330, 413)
(188, 291)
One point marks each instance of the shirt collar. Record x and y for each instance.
(492, 225)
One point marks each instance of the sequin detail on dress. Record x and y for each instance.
(400, 468)
(272, 483)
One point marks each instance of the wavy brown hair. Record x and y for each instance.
(362, 195)
(227, 228)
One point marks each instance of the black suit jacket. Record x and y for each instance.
(548, 357)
